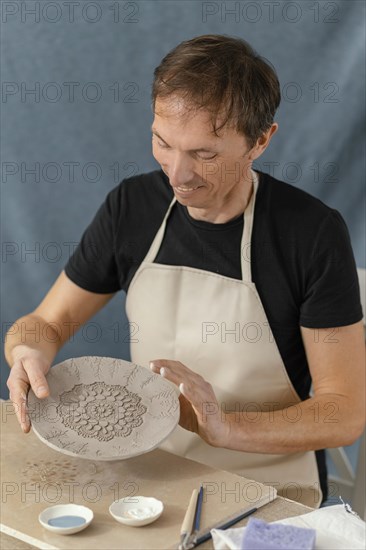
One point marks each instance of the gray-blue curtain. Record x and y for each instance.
(76, 119)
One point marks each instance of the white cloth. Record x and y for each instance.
(336, 529)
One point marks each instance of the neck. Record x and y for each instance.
(231, 208)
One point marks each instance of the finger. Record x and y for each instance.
(157, 364)
(155, 368)
(175, 366)
(196, 387)
(19, 400)
(21, 411)
(18, 389)
(178, 375)
(175, 377)
(37, 379)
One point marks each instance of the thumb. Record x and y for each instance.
(36, 378)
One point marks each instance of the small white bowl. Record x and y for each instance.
(136, 511)
(62, 510)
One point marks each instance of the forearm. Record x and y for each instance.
(324, 421)
(32, 331)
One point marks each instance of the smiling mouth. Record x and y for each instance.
(187, 189)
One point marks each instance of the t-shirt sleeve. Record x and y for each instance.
(92, 265)
(332, 292)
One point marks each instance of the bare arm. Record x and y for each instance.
(34, 340)
(334, 416)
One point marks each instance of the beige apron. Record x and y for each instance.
(217, 327)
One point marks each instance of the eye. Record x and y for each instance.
(207, 158)
(162, 145)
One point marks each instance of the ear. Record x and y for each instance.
(263, 142)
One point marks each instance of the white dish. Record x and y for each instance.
(103, 408)
(57, 514)
(136, 511)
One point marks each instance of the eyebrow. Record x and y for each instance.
(201, 150)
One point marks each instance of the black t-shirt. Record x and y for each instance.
(302, 260)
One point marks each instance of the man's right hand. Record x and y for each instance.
(65, 305)
(29, 369)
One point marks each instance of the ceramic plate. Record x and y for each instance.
(103, 408)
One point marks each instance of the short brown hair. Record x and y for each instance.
(221, 73)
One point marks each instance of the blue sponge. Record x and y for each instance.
(260, 535)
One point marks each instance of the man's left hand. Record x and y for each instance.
(199, 409)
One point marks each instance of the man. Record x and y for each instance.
(243, 288)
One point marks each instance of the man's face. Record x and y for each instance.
(205, 171)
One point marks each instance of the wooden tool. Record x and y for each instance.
(187, 525)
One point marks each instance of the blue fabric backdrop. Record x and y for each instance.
(76, 111)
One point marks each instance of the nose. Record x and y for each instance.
(180, 170)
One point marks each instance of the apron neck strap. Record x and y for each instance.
(245, 241)
(158, 239)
